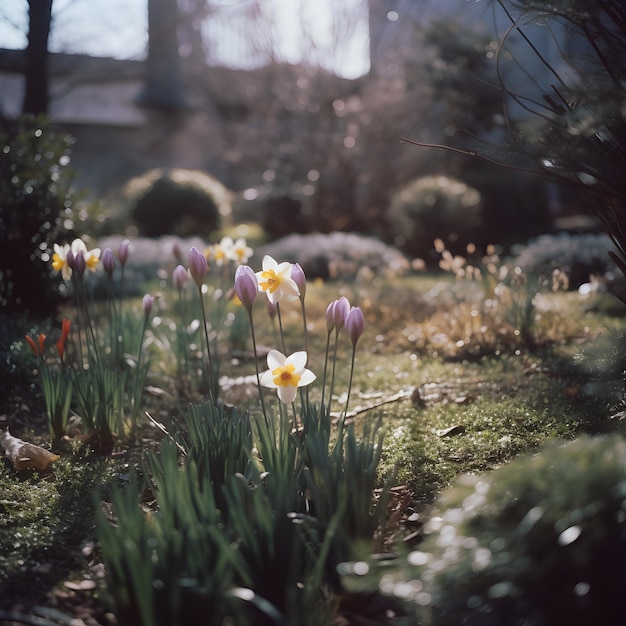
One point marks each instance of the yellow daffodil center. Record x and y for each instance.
(271, 281)
(57, 262)
(284, 376)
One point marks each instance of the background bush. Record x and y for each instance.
(579, 256)
(431, 207)
(176, 207)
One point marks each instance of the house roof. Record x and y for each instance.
(83, 89)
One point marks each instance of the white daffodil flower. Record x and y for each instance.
(275, 280)
(286, 374)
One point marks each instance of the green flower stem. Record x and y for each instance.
(79, 323)
(119, 339)
(280, 324)
(325, 368)
(183, 347)
(138, 382)
(57, 391)
(256, 365)
(332, 376)
(283, 430)
(91, 335)
(114, 323)
(345, 411)
(306, 349)
(208, 347)
(274, 333)
(306, 332)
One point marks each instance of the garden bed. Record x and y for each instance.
(456, 388)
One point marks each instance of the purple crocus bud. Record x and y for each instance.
(108, 261)
(148, 302)
(179, 277)
(246, 286)
(298, 277)
(69, 259)
(177, 252)
(340, 311)
(355, 323)
(122, 251)
(198, 266)
(78, 263)
(330, 323)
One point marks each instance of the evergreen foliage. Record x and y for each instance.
(34, 194)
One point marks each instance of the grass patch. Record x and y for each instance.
(45, 521)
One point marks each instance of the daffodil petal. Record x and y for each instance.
(306, 378)
(287, 394)
(297, 359)
(267, 380)
(275, 359)
(284, 268)
(274, 297)
(269, 263)
(290, 289)
(78, 245)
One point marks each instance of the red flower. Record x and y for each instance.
(38, 349)
(65, 331)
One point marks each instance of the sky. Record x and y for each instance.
(117, 28)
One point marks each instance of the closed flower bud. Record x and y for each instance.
(340, 311)
(355, 324)
(298, 277)
(108, 261)
(79, 264)
(179, 277)
(65, 331)
(122, 251)
(148, 302)
(246, 286)
(330, 323)
(198, 266)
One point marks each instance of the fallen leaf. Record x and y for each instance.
(26, 455)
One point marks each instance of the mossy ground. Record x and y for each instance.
(455, 398)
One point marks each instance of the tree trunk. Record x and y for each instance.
(36, 74)
(163, 81)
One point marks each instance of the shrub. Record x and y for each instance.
(174, 206)
(431, 207)
(34, 192)
(579, 256)
(539, 541)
